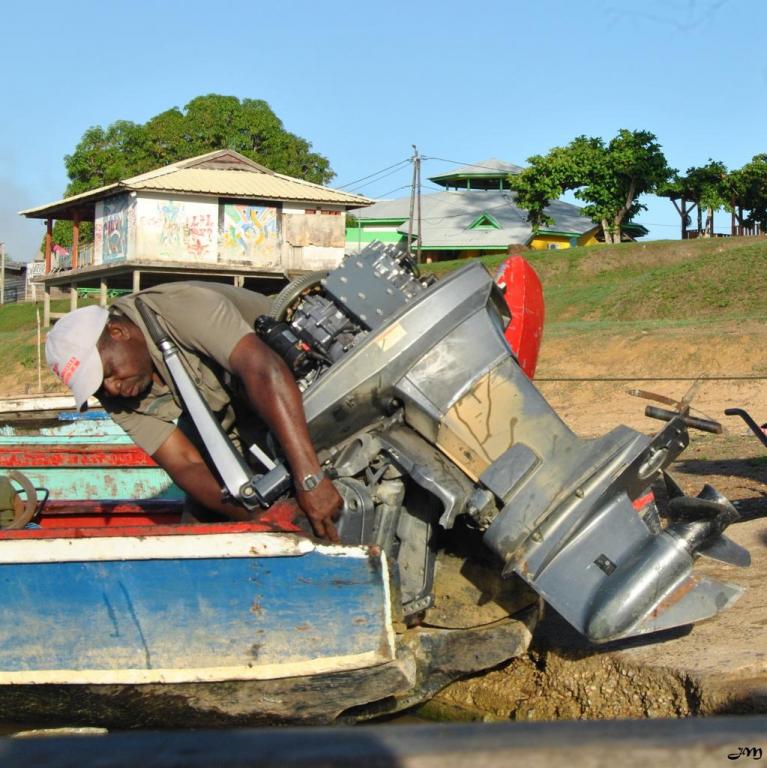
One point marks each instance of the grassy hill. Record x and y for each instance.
(702, 294)
(664, 281)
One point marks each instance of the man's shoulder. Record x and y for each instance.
(184, 289)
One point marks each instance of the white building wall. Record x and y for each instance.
(176, 229)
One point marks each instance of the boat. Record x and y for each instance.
(115, 613)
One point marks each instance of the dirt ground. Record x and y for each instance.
(718, 666)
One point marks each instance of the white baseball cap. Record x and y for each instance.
(71, 352)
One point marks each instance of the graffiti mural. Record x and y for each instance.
(114, 229)
(170, 228)
(177, 230)
(249, 233)
(198, 234)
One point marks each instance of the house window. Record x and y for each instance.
(310, 211)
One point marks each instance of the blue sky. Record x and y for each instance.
(364, 81)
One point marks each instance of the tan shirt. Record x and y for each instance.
(206, 321)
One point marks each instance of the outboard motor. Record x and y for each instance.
(422, 413)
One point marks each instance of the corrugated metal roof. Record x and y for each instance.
(447, 217)
(84, 198)
(244, 183)
(241, 178)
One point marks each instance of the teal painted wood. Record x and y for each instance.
(102, 483)
(92, 482)
(101, 431)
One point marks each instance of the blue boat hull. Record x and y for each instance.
(145, 614)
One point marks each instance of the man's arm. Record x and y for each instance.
(179, 457)
(273, 394)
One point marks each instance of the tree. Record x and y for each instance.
(609, 178)
(207, 123)
(747, 190)
(705, 186)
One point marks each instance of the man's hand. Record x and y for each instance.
(321, 506)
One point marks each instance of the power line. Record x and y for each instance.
(392, 169)
(376, 180)
(370, 176)
(396, 189)
(458, 162)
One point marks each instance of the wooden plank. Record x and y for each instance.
(107, 508)
(39, 402)
(86, 455)
(278, 518)
(57, 430)
(116, 483)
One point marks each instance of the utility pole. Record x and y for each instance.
(418, 192)
(412, 206)
(415, 193)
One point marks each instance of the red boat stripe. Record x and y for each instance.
(278, 518)
(74, 456)
(56, 507)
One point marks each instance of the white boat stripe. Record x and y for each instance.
(200, 675)
(171, 547)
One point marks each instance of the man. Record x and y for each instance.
(248, 387)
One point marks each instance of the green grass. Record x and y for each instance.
(663, 282)
(23, 316)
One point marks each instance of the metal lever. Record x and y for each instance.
(752, 425)
(251, 490)
(705, 425)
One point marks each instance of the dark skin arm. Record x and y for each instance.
(179, 457)
(273, 394)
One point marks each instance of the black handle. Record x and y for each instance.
(705, 425)
(752, 425)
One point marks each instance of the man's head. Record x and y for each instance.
(91, 352)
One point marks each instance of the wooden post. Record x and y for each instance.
(46, 306)
(136, 280)
(102, 292)
(75, 240)
(48, 248)
(72, 297)
(2, 273)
